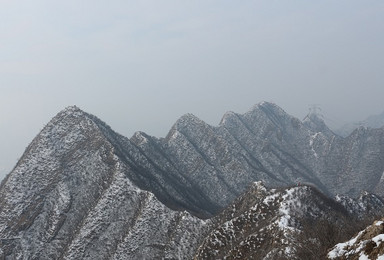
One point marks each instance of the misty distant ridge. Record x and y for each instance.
(373, 121)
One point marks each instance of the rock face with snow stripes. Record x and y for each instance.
(83, 191)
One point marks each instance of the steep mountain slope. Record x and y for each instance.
(69, 197)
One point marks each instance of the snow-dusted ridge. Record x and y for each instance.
(70, 197)
(83, 191)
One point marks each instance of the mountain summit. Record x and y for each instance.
(70, 196)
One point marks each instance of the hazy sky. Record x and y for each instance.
(139, 65)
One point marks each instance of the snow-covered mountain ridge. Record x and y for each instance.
(82, 191)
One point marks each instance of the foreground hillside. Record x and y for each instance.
(367, 244)
(82, 191)
(287, 223)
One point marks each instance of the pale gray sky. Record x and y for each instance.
(139, 65)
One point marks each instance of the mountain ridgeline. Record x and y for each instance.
(202, 168)
(83, 191)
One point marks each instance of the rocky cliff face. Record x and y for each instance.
(82, 191)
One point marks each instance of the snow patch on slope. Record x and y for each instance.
(311, 140)
(369, 240)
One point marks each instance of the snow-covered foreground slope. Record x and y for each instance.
(367, 244)
(291, 223)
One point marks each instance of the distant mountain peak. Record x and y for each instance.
(314, 117)
(269, 110)
(268, 103)
(315, 122)
(139, 138)
(188, 117)
(186, 121)
(227, 116)
(264, 106)
(373, 121)
(272, 107)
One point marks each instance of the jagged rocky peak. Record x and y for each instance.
(261, 111)
(140, 138)
(186, 124)
(69, 128)
(267, 115)
(188, 120)
(270, 109)
(270, 106)
(262, 107)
